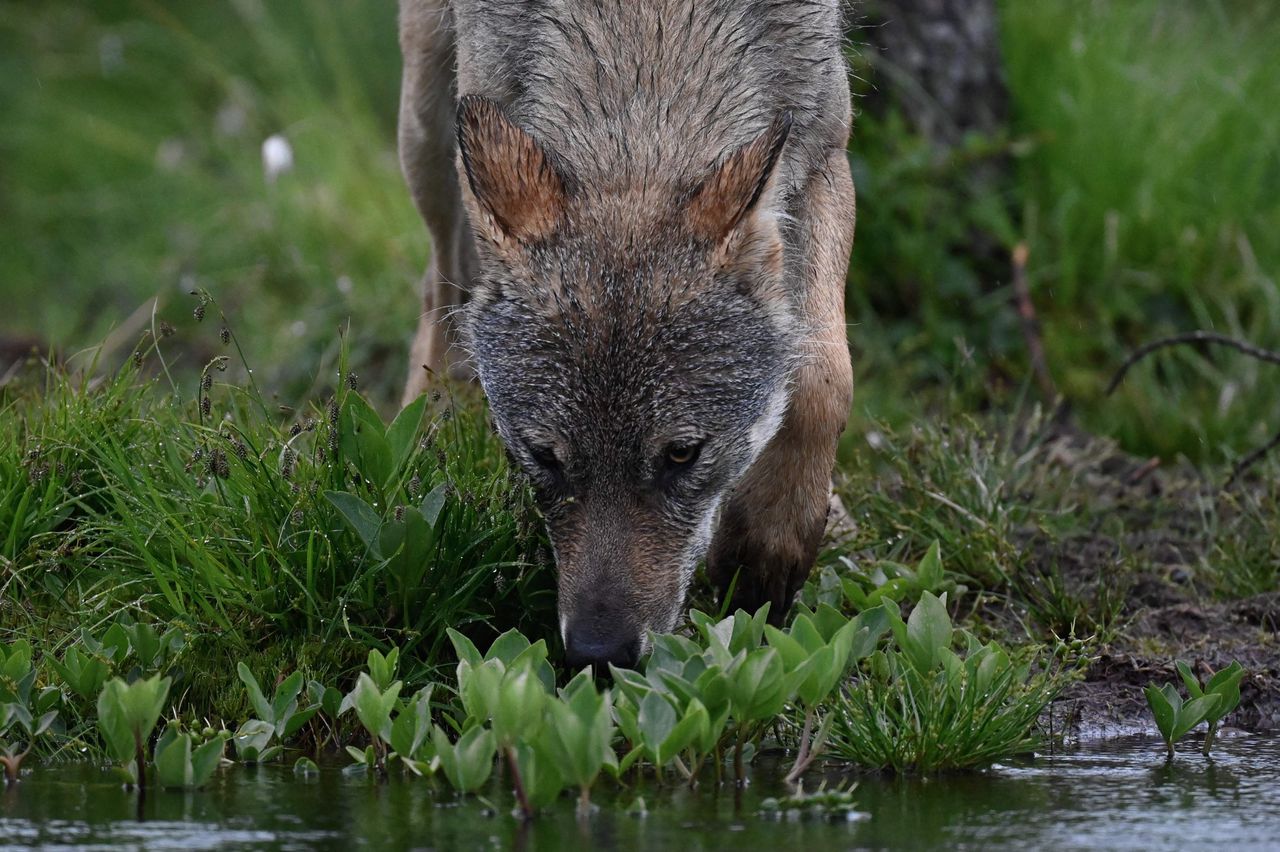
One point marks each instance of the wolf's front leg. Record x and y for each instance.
(427, 150)
(770, 531)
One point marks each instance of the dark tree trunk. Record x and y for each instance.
(938, 61)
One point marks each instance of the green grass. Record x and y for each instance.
(213, 511)
(1143, 179)
(1145, 184)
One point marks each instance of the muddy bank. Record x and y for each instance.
(1147, 567)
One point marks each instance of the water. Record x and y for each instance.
(1115, 795)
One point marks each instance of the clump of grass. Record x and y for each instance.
(212, 512)
(921, 708)
(972, 490)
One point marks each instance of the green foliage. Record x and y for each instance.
(183, 761)
(221, 524)
(1209, 702)
(891, 581)
(23, 710)
(920, 707)
(1174, 718)
(578, 735)
(282, 717)
(127, 715)
(467, 763)
(84, 672)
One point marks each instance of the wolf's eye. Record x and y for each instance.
(682, 455)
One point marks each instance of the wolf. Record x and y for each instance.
(641, 214)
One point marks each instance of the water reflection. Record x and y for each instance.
(1118, 795)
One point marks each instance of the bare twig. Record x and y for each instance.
(1251, 459)
(1031, 323)
(1269, 355)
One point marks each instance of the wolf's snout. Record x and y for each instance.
(598, 644)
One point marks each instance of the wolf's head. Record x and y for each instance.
(635, 345)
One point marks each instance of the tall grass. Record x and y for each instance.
(220, 514)
(132, 141)
(1152, 204)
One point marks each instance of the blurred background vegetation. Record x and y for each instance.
(1134, 153)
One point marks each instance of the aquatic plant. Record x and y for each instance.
(127, 714)
(578, 735)
(1174, 717)
(23, 712)
(277, 719)
(467, 763)
(84, 672)
(818, 648)
(1209, 702)
(892, 581)
(186, 761)
(1225, 684)
(918, 706)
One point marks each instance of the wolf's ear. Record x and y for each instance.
(725, 198)
(520, 191)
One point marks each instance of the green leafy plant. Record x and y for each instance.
(893, 581)
(578, 734)
(23, 711)
(127, 715)
(1225, 684)
(468, 763)
(282, 714)
(374, 708)
(411, 731)
(183, 761)
(918, 706)
(1174, 717)
(83, 672)
(509, 688)
(1209, 702)
(818, 649)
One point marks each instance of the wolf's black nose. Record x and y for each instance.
(591, 646)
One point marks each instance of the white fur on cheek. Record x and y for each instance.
(763, 430)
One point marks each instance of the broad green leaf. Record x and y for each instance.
(928, 629)
(286, 697)
(1161, 709)
(929, 571)
(259, 701)
(363, 440)
(656, 718)
(1189, 680)
(433, 502)
(205, 759)
(690, 728)
(507, 647)
(792, 652)
(464, 648)
(173, 762)
(127, 713)
(521, 699)
(373, 706)
(360, 516)
(468, 763)
(540, 773)
(1193, 713)
(1226, 685)
(403, 431)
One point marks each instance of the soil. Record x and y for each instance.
(1148, 572)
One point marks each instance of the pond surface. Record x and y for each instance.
(1113, 795)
